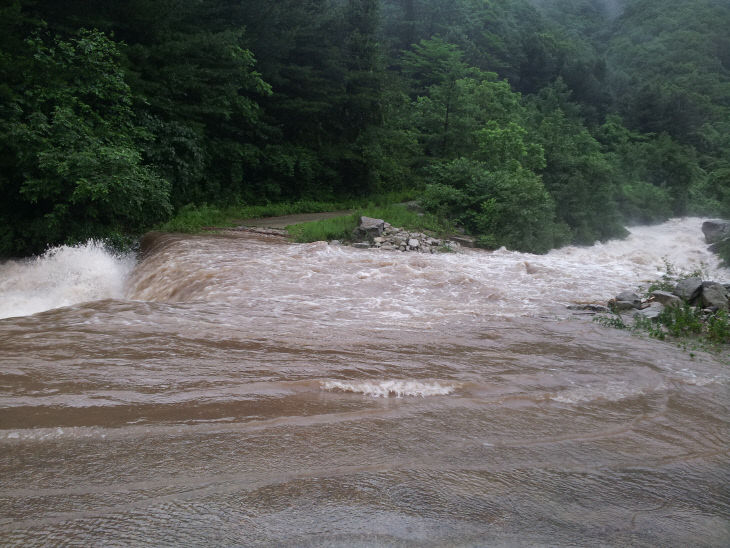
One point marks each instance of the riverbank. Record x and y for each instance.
(197, 218)
(310, 221)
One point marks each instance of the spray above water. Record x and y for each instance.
(62, 276)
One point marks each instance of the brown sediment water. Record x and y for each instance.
(241, 390)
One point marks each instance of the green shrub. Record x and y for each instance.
(507, 207)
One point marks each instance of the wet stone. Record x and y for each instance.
(651, 312)
(629, 296)
(368, 228)
(666, 298)
(688, 289)
(715, 230)
(714, 295)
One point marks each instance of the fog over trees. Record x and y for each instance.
(530, 123)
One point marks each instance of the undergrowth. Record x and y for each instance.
(686, 325)
(689, 326)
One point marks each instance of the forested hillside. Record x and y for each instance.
(529, 123)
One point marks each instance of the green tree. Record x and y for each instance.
(577, 174)
(72, 167)
(506, 207)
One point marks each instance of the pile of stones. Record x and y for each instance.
(707, 295)
(376, 233)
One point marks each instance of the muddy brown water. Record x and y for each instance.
(239, 390)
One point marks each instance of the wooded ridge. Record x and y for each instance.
(530, 124)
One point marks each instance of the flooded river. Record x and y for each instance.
(239, 390)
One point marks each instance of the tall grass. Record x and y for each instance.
(195, 217)
(340, 228)
(336, 228)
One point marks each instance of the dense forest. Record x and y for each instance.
(531, 124)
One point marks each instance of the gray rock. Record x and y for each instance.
(414, 243)
(688, 289)
(465, 241)
(622, 305)
(361, 245)
(651, 312)
(335, 242)
(666, 298)
(368, 228)
(715, 230)
(629, 296)
(714, 295)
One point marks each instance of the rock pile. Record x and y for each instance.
(707, 295)
(376, 233)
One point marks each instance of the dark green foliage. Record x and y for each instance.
(569, 118)
(578, 175)
(199, 92)
(504, 207)
(72, 168)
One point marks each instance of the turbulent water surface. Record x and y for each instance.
(240, 390)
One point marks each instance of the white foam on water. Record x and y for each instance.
(62, 276)
(611, 391)
(397, 388)
(342, 284)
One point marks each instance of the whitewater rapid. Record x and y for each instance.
(396, 285)
(63, 276)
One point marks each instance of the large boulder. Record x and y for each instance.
(630, 297)
(688, 289)
(714, 295)
(368, 229)
(716, 230)
(651, 312)
(666, 298)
